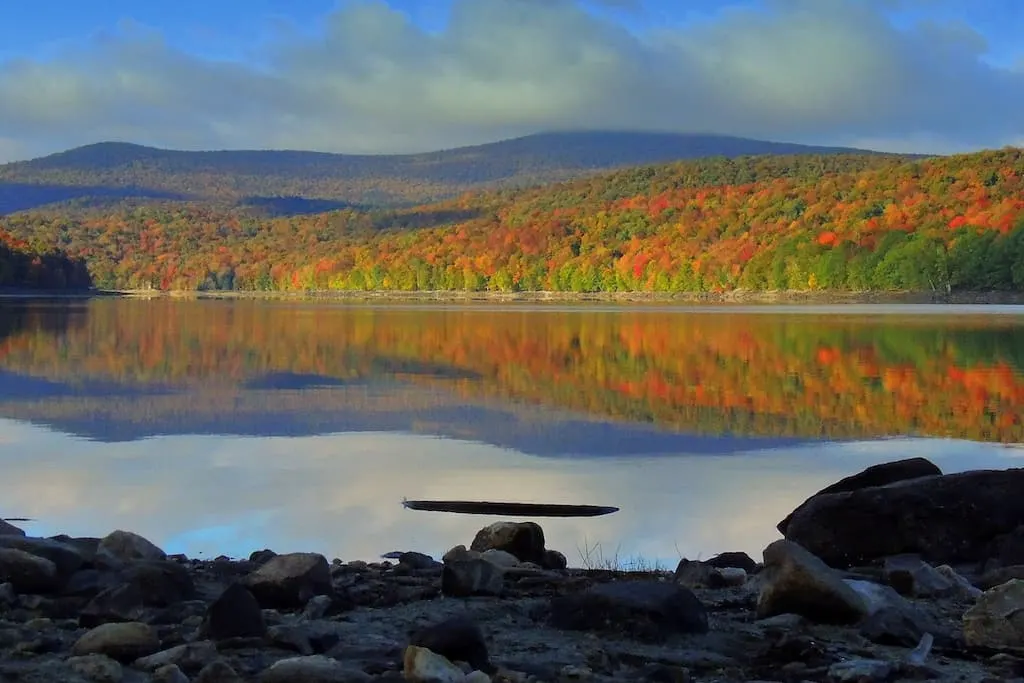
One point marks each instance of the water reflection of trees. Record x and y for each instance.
(740, 374)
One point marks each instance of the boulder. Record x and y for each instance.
(733, 560)
(554, 560)
(797, 582)
(161, 583)
(118, 604)
(462, 578)
(290, 580)
(458, 638)
(65, 558)
(948, 519)
(189, 657)
(8, 529)
(876, 475)
(420, 665)
(235, 614)
(124, 642)
(28, 573)
(218, 671)
(648, 610)
(129, 547)
(912, 576)
(996, 621)
(312, 669)
(169, 673)
(96, 668)
(525, 540)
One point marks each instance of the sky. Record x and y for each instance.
(391, 76)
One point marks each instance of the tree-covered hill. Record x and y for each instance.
(832, 222)
(111, 170)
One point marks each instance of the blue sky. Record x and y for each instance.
(409, 75)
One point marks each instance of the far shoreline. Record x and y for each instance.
(763, 297)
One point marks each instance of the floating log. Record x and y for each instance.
(469, 507)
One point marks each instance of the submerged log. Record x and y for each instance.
(468, 507)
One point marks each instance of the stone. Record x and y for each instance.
(912, 576)
(696, 574)
(118, 604)
(463, 578)
(996, 620)
(860, 671)
(415, 560)
(963, 587)
(732, 576)
(88, 583)
(235, 614)
(458, 638)
(648, 610)
(187, 657)
(944, 519)
(290, 580)
(875, 475)
(736, 560)
(317, 607)
(997, 577)
(476, 677)
(501, 558)
(420, 665)
(554, 560)
(1008, 550)
(125, 642)
(65, 558)
(96, 668)
(160, 582)
(129, 547)
(169, 673)
(28, 573)
(894, 626)
(524, 540)
(218, 672)
(312, 669)
(8, 596)
(798, 582)
(8, 529)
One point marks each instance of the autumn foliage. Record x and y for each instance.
(835, 222)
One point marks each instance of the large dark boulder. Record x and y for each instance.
(876, 475)
(647, 610)
(945, 519)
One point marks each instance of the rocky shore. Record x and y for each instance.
(897, 573)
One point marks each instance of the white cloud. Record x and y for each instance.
(371, 81)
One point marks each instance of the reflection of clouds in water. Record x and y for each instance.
(341, 494)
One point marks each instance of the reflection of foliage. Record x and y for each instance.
(776, 223)
(797, 375)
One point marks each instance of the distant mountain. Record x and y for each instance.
(305, 182)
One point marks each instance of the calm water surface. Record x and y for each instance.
(225, 427)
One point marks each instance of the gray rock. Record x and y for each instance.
(218, 672)
(997, 577)
(235, 614)
(996, 621)
(124, 642)
(860, 671)
(912, 576)
(317, 607)
(97, 668)
(8, 596)
(736, 560)
(648, 610)
(312, 669)
(797, 582)
(944, 519)
(169, 673)
(501, 558)
(187, 657)
(459, 639)
(129, 547)
(554, 560)
(964, 588)
(420, 665)
(161, 583)
(462, 578)
(525, 540)
(415, 560)
(28, 573)
(121, 603)
(66, 558)
(289, 581)
(696, 574)
(8, 529)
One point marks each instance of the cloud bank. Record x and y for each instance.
(369, 81)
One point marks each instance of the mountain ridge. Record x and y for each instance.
(117, 170)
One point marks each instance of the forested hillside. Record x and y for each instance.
(23, 266)
(297, 182)
(836, 222)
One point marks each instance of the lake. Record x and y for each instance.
(223, 427)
